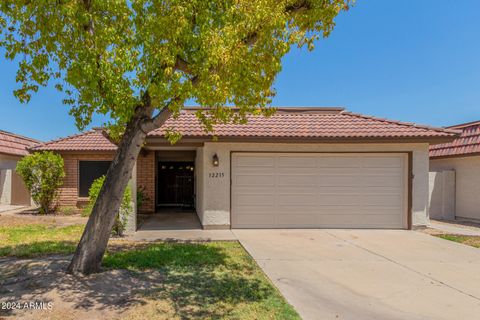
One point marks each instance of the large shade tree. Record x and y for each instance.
(138, 61)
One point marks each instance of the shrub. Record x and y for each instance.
(43, 175)
(141, 197)
(125, 206)
(67, 210)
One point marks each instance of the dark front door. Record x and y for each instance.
(175, 184)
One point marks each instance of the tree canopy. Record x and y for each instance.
(111, 56)
(138, 62)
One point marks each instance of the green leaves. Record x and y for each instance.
(105, 55)
(43, 175)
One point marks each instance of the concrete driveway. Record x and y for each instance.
(369, 274)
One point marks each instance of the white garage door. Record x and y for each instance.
(334, 190)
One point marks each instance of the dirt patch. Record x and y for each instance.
(20, 219)
(108, 295)
(432, 231)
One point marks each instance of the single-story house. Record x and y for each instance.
(455, 175)
(12, 148)
(300, 168)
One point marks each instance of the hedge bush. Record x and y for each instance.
(125, 206)
(42, 173)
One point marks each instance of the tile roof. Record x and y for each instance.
(300, 123)
(93, 140)
(14, 144)
(468, 143)
(321, 123)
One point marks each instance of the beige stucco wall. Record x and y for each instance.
(8, 161)
(467, 184)
(441, 195)
(12, 188)
(5, 186)
(215, 200)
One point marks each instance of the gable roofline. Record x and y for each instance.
(402, 123)
(94, 130)
(289, 109)
(15, 144)
(466, 144)
(464, 125)
(296, 124)
(19, 136)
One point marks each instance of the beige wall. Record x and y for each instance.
(441, 195)
(8, 161)
(5, 186)
(467, 184)
(12, 188)
(215, 200)
(20, 194)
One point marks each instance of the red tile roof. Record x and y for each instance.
(468, 143)
(302, 123)
(321, 123)
(14, 144)
(93, 140)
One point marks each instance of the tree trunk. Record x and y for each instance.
(89, 253)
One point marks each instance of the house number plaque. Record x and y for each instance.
(216, 175)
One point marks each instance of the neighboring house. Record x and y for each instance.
(12, 148)
(300, 168)
(456, 168)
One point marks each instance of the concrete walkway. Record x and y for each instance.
(369, 274)
(177, 226)
(183, 235)
(456, 227)
(9, 208)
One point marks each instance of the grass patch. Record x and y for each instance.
(473, 241)
(37, 239)
(212, 280)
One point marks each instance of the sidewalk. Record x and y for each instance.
(456, 227)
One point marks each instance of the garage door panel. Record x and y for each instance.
(382, 162)
(255, 180)
(300, 180)
(368, 221)
(299, 220)
(296, 162)
(319, 191)
(346, 161)
(381, 180)
(254, 161)
(297, 199)
(383, 200)
(339, 180)
(338, 171)
(254, 220)
(256, 199)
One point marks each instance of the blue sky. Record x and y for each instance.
(410, 60)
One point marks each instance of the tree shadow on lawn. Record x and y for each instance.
(38, 248)
(198, 280)
(201, 280)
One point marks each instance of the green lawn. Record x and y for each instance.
(210, 280)
(473, 241)
(37, 239)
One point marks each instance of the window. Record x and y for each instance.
(89, 171)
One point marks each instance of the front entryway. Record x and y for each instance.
(175, 184)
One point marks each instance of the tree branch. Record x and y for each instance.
(184, 66)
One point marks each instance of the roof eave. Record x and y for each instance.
(464, 155)
(270, 139)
